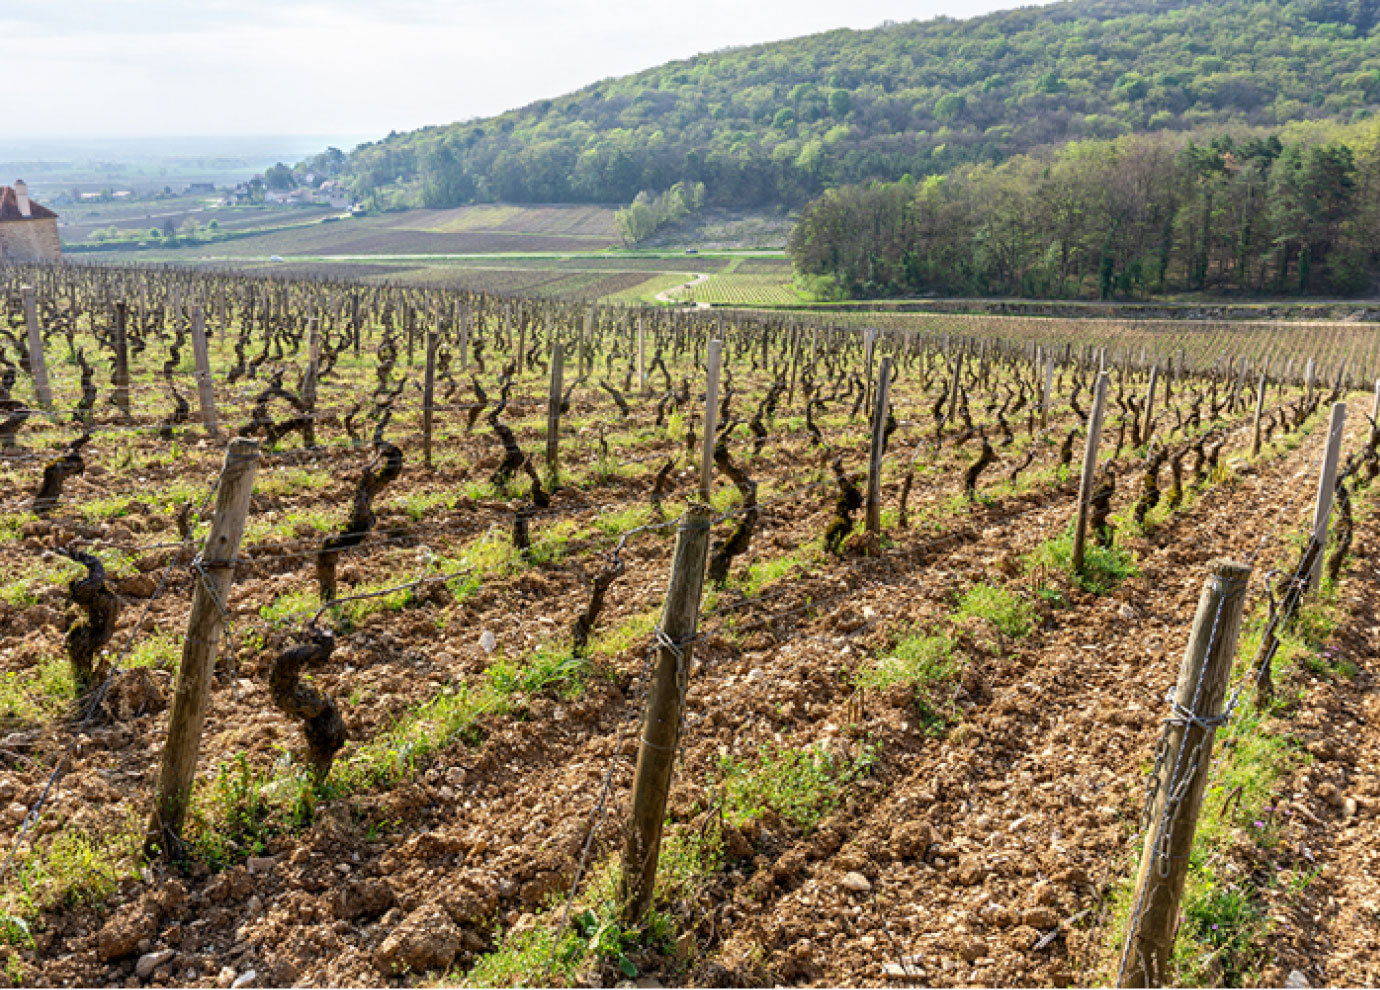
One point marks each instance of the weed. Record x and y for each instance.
(801, 785)
(1007, 611)
(926, 662)
(1103, 567)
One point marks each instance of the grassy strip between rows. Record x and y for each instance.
(1224, 932)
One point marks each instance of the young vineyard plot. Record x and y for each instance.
(387, 635)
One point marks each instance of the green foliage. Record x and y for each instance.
(1007, 611)
(244, 807)
(778, 123)
(924, 661)
(1239, 214)
(801, 785)
(649, 213)
(1103, 567)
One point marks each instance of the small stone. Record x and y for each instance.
(255, 906)
(1296, 980)
(150, 961)
(245, 979)
(856, 882)
(426, 940)
(122, 934)
(487, 641)
(970, 872)
(1128, 612)
(908, 973)
(1044, 893)
(225, 977)
(911, 840)
(259, 865)
(1350, 807)
(972, 949)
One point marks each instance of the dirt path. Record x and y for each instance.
(667, 296)
(1330, 807)
(1022, 818)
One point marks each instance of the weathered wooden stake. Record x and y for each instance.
(465, 336)
(1259, 412)
(428, 396)
(954, 386)
(641, 361)
(1049, 392)
(1327, 482)
(215, 569)
(1183, 774)
(553, 411)
(711, 417)
(38, 367)
(205, 384)
(665, 709)
(121, 360)
(874, 461)
(1149, 414)
(1085, 485)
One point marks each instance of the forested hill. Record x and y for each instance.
(775, 124)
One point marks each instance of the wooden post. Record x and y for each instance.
(1182, 777)
(464, 337)
(1149, 414)
(521, 348)
(711, 417)
(874, 461)
(1327, 482)
(1049, 392)
(665, 708)
(553, 411)
(870, 348)
(204, 628)
(121, 360)
(428, 395)
(38, 367)
(205, 384)
(1259, 412)
(954, 386)
(642, 361)
(1085, 484)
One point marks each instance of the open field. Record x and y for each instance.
(919, 748)
(546, 251)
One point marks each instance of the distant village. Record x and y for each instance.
(309, 191)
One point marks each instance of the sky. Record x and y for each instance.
(154, 68)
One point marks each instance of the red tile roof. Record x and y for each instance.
(9, 207)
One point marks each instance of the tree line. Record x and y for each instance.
(776, 124)
(1131, 217)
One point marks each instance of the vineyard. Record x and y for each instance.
(364, 634)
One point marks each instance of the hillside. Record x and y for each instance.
(775, 124)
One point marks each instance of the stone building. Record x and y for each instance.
(28, 231)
